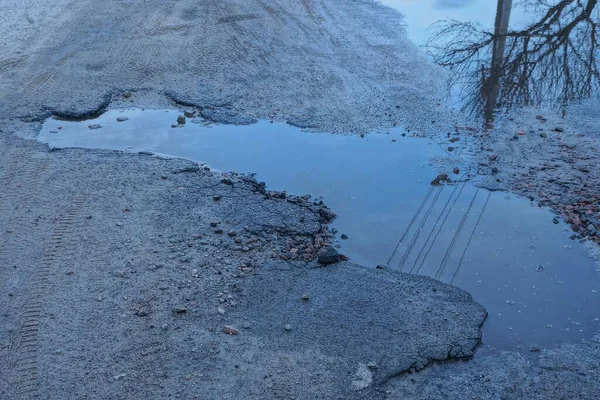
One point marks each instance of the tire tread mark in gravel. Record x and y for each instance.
(417, 233)
(410, 224)
(24, 347)
(12, 62)
(455, 237)
(462, 257)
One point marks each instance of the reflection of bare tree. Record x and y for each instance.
(553, 59)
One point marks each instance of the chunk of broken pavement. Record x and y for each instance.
(328, 255)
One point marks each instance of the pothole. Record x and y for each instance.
(540, 287)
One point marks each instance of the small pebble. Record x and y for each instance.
(230, 330)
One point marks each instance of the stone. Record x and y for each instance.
(246, 325)
(230, 330)
(179, 310)
(454, 139)
(305, 297)
(127, 94)
(372, 365)
(440, 179)
(287, 327)
(344, 236)
(591, 228)
(232, 233)
(328, 255)
(181, 119)
(95, 126)
(535, 349)
(142, 312)
(189, 113)
(559, 129)
(543, 135)
(495, 170)
(221, 310)
(217, 197)
(214, 224)
(174, 126)
(450, 148)
(122, 119)
(456, 170)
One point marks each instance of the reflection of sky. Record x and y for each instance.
(420, 14)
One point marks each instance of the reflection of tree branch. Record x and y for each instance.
(552, 59)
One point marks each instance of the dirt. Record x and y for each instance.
(549, 159)
(114, 283)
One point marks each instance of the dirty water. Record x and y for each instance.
(540, 287)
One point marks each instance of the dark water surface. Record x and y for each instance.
(540, 287)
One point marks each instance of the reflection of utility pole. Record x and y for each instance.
(491, 87)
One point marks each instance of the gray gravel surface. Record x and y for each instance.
(331, 65)
(566, 372)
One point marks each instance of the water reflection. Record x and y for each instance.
(505, 54)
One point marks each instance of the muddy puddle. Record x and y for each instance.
(540, 287)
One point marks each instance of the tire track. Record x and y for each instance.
(24, 347)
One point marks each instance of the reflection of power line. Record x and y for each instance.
(441, 227)
(471, 238)
(435, 226)
(420, 228)
(412, 221)
(455, 237)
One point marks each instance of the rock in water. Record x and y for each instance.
(95, 126)
(181, 119)
(328, 255)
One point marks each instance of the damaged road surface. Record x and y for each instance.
(133, 276)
